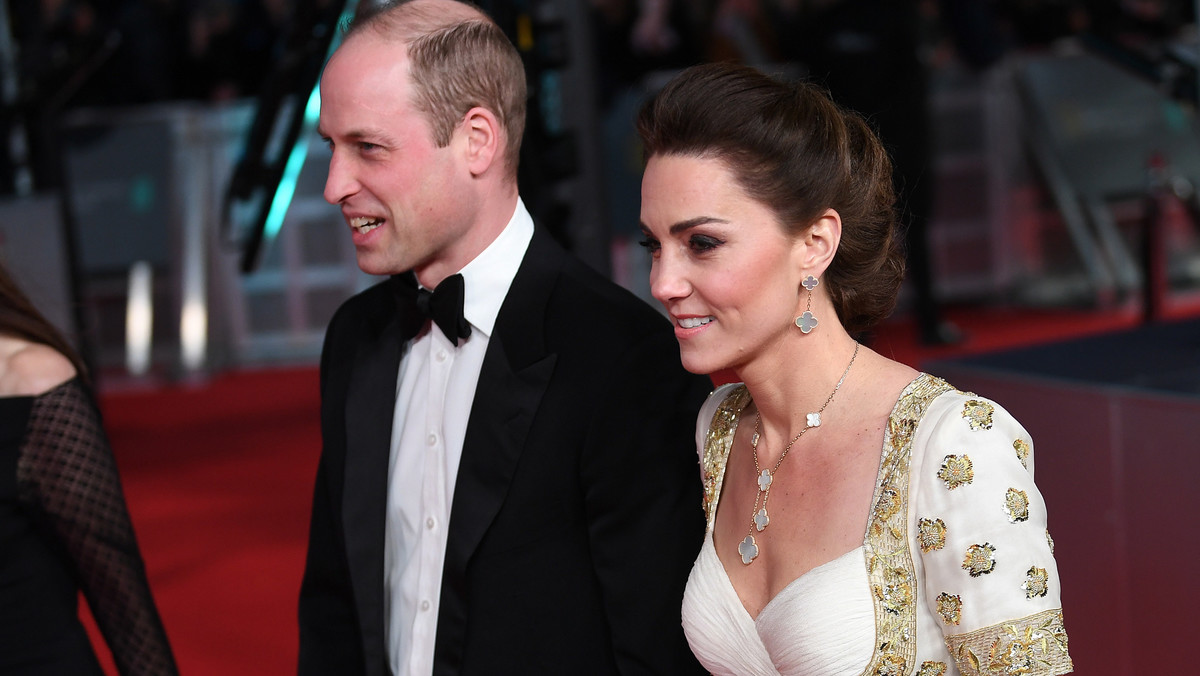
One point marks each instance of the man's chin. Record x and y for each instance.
(373, 266)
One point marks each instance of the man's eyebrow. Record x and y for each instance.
(359, 134)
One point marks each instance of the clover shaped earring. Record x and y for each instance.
(807, 322)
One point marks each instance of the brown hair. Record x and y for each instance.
(19, 318)
(793, 149)
(460, 59)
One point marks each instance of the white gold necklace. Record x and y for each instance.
(748, 548)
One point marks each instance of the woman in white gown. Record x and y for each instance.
(863, 518)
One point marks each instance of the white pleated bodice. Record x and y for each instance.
(821, 624)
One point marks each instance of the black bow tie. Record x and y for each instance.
(444, 305)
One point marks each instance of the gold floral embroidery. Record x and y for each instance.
(891, 665)
(1035, 645)
(895, 594)
(888, 558)
(931, 668)
(980, 559)
(887, 506)
(978, 414)
(931, 534)
(1050, 541)
(1016, 505)
(1035, 582)
(718, 441)
(949, 606)
(901, 431)
(1022, 448)
(956, 471)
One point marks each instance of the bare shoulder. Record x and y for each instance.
(887, 373)
(885, 380)
(28, 369)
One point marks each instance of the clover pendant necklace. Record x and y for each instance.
(759, 519)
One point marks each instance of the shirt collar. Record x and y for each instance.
(489, 275)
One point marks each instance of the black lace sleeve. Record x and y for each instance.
(67, 471)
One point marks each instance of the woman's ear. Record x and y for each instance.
(820, 243)
(481, 133)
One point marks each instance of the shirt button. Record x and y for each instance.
(424, 605)
(430, 523)
(441, 355)
(431, 439)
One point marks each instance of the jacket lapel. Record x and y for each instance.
(370, 404)
(505, 402)
(515, 374)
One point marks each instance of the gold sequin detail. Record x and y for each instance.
(980, 559)
(889, 561)
(1035, 645)
(1022, 448)
(1035, 582)
(931, 534)
(886, 506)
(718, 441)
(956, 471)
(891, 665)
(1050, 541)
(895, 595)
(978, 414)
(949, 606)
(931, 668)
(1016, 505)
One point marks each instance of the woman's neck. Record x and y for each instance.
(797, 379)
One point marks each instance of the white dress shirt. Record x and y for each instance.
(434, 390)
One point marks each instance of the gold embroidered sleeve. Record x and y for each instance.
(982, 542)
(1033, 646)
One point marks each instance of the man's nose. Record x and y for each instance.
(339, 184)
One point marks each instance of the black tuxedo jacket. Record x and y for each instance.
(577, 509)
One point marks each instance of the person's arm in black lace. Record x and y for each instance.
(67, 472)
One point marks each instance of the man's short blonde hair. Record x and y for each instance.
(460, 59)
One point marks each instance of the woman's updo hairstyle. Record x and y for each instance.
(792, 148)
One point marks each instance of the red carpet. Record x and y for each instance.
(219, 477)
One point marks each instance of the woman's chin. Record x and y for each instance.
(700, 364)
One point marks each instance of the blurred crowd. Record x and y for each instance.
(124, 52)
(66, 54)
(640, 35)
(120, 52)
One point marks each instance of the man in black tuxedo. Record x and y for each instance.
(514, 488)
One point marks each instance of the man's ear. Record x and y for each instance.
(482, 136)
(820, 243)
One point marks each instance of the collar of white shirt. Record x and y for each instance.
(488, 276)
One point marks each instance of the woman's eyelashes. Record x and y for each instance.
(703, 243)
(651, 245)
(698, 244)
